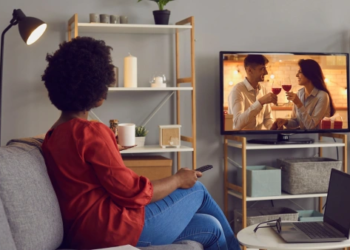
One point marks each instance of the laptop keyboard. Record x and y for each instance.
(315, 230)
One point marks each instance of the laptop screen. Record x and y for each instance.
(337, 211)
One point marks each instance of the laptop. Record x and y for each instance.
(336, 220)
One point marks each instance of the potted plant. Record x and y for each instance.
(140, 136)
(162, 15)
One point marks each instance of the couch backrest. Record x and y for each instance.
(28, 198)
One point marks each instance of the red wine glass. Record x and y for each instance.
(287, 86)
(276, 88)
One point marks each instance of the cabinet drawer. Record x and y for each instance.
(152, 173)
(152, 167)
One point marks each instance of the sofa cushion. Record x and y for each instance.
(6, 240)
(28, 198)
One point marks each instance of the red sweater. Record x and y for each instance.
(102, 201)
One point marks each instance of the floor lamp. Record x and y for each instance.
(30, 29)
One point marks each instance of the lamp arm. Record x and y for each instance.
(1, 65)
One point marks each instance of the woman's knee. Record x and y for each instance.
(211, 230)
(199, 186)
(209, 222)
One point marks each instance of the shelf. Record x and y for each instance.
(278, 197)
(131, 28)
(319, 144)
(149, 89)
(155, 149)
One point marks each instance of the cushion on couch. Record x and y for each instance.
(28, 198)
(6, 240)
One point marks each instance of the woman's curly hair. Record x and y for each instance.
(78, 74)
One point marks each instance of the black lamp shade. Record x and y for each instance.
(31, 29)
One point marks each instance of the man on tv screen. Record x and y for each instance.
(249, 101)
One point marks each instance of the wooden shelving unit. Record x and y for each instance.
(155, 149)
(73, 30)
(131, 28)
(150, 89)
(240, 192)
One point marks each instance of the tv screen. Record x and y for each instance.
(283, 92)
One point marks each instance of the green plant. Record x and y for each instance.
(140, 131)
(160, 3)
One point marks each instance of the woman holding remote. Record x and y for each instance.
(104, 203)
(312, 103)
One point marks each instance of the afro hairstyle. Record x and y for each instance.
(78, 74)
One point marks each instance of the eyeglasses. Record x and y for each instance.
(277, 225)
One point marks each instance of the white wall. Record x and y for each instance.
(265, 25)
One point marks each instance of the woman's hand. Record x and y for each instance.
(184, 178)
(294, 98)
(278, 124)
(187, 178)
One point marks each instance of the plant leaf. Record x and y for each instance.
(161, 3)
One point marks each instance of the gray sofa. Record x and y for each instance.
(30, 217)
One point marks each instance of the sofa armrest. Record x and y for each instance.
(181, 245)
(126, 247)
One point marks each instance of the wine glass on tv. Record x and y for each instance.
(287, 86)
(276, 88)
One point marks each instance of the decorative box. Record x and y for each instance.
(338, 124)
(325, 124)
(169, 136)
(331, 124)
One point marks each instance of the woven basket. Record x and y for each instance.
(307, 175)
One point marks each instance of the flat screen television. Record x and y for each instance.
(312, 91)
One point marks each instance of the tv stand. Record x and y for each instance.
(282, 139)
(239, 148)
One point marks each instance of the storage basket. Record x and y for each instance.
(255, 216)
(307, 175)
(310, 215)
(261, 181)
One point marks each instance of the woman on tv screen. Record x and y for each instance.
(312, 103)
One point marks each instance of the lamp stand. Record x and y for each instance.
(13, 22)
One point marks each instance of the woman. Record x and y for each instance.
(103, 203)
(312, 103)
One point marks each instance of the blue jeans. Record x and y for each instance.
(187, 214)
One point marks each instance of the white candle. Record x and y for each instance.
(159, 80)
(130, 72)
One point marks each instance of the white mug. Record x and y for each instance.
(126, 134)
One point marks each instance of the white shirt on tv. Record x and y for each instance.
(248, 113)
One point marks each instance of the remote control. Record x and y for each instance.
(204, 168)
